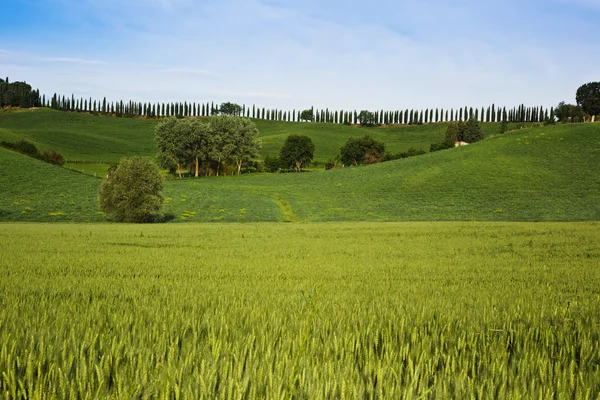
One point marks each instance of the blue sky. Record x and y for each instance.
(381, 54)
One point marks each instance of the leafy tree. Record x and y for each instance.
(588, 98)
(230, 109)
(568, 113)
(366, 118)
(131, 191)
(472, 131)
(171, 137)
(297, 151)
(307, 115)
(359, 150)
(238, 139)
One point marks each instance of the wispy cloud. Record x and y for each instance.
(71, 60)
(188, 71)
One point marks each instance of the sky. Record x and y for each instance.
(351, 55)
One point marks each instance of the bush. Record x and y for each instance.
(272, 164)
(131, 191)
(22, 146)
(52, 157)
(359, 150)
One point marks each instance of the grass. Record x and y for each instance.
(35, 191)
(103, 140)
(536, 174)
(343, 310)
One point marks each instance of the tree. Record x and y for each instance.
(243, 139)
(307, 115)
(230, 109)
(359, 150)
(297, 151)
(588, 98)
(366, 118)
(171, 137)
(568, 113)
(131, 191)
(472, 131)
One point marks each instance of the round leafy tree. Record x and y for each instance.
(361, 150)
(131, 191)
(588, 97)
(297, 151)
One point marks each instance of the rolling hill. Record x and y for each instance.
(546, 173)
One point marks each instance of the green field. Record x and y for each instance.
(100, 139)
(344, 310)
(547, 173)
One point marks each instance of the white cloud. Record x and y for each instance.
(71, 60)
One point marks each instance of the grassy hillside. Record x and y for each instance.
(99, 140)
(539, 174)
(542, 174)
(35, 191)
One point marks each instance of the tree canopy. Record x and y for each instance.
(568, 113)
(197, 144)
(18, 94)
(297, 151)
(307, 115)
(366, 118)
(131, 191)
(362, 150)
(588, 98)
(230, 109)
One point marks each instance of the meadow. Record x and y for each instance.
(548, 173)
(90, 143)
(329, 310)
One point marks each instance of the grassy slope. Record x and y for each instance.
(542, 174)
(80, 137)
(548, 173)
(98, 139)
(35, 191)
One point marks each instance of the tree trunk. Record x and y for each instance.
(179, 171)
(298, 165)
(239, 165)
(593, 118)
(197, 166)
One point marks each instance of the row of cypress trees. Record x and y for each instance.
(397, 117)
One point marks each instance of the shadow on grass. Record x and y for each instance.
(166, 218)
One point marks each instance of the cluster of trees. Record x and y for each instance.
(468, 132)
(587, 107)
(206, 146)
(18, 94)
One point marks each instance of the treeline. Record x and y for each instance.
(381, 117)
(18, 94)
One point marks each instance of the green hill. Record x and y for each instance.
(35, 191)
(103, 140)
(538, 174)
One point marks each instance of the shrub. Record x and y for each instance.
(22, 146)
(52, 157)
(359, 150)
(131, 191)
(272, 164)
